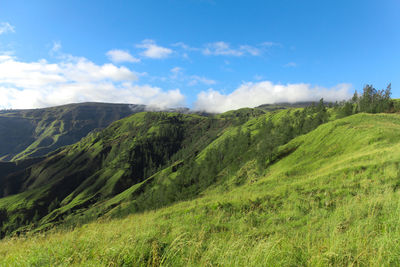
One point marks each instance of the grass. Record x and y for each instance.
(101, 166)
(333, 201)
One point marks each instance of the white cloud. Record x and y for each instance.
(255, 94)
(42, 84)
(224, 49)
(270, 44)
(250, 49)
(176, 72)
(291, 64)
(56, 47)
(194, 80)
(258, 77)
(152, 50)
(6, 27)
(119, 56)
(5, 57)
(185, 49)
(185, 46)
(221, 49)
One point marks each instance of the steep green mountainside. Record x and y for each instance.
(36, 132)
(104, 164)
(297, 186)
(326, 198)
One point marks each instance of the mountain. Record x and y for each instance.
(325, 197)
(105, 163)
(286, 105)
(36, 132)
(127, 160)
(298, 186)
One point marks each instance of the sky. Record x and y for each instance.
(204, 54)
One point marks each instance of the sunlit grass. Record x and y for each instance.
(334, 201)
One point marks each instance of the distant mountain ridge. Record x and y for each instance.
(36, 132)
(286, 105)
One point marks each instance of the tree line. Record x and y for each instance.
(370, 100)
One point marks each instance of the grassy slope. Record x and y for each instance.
(333, 201)
(102, 165)
(36, 132)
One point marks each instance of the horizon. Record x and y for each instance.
(167, 109)
(203, 55)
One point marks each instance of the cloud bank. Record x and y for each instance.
(255, 94)
(42, 84)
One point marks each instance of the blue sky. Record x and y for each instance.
(213, 55)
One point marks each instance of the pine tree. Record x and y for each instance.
(36, 217)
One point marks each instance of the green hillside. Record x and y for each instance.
(332, 200)
(70, 181)
(311, 186)
(36, 132)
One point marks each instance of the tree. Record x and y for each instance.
(36, 217)
(53, 205)
(375, 101)
(354, 99)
